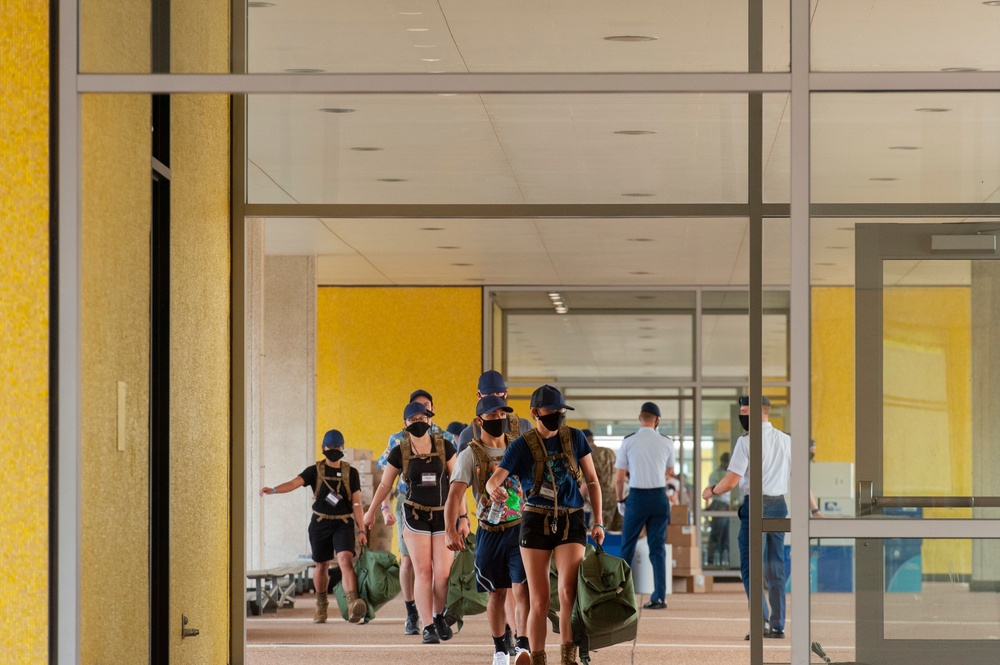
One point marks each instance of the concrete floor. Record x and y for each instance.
(707, 629)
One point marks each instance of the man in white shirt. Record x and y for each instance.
(776, 454)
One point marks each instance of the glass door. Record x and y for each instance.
(927, 331)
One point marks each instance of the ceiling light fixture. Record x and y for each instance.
(960, 69)
(304, 70)
(417, 29)
(644, 297)
(447, 94)
(630, 38)
(904, 147)
(637, 194)
(425, 46)
(932, 109)
(554, 295)
(883, 179)
(337, 110)
(635, 132)
(392, 179)
(640, 240)
(365, 148)
(432, 228)
(826, 264)
(992, 3)
(255, 5)
(411, 13)
(640, 272)
(461, 265)
(448, 247)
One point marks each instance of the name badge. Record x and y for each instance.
(428, 478)
(547, 491)
(333, 498)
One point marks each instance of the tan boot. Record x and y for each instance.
(321, 604)
(538, 658)
(356, 607)
(568, 651)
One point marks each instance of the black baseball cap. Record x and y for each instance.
(547, 397)
(650, 407)
(421, 393)
(745, 401)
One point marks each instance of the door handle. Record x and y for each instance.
(866, 497)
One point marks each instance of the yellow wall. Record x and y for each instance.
(24, 324)
(375, 346)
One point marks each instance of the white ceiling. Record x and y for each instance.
(567, 148)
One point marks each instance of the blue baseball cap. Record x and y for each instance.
(333, 439)
(491, 381)
(491, 403)
(416, 409)
(547, 397)
(650, 407)
(421, 393)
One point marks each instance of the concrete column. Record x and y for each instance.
(985, 414)
(288, 371)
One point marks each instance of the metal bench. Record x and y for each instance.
(276, 586)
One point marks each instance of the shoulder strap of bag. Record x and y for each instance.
(537, 449)
(482, 462)
(569, 455)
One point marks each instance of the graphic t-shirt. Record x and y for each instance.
(467, 471)
(519, 462)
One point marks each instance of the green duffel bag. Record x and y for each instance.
(464, 598)
(378, 581)
(606, 611)
(554, 590)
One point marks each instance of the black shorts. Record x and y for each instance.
(329, 536)
(534, 535)
(427, 522)
(498, 559)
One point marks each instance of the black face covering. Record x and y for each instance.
(745, 421)
(333, 454)
(494, 427)
(418, 429)
(552, 421)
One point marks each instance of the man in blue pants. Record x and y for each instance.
(647, 456)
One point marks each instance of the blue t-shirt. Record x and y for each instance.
(519, 462)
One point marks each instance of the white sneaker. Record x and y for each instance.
(501, 658)
(522, 657)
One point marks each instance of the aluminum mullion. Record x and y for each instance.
(904, 528)
(899, 81)
(511, 210)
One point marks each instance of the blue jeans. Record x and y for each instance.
(648, 508)
(774, 559)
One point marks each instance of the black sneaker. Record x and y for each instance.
(431, 635)
(412, 623)
(443, 629)
(776, 635)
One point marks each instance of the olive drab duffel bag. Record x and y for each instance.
(378, 581)
(606, 611)
(464, 598)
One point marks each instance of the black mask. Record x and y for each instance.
(552, 421)
(745, 421)
(494, 428)
(333, 454)
(418, 429)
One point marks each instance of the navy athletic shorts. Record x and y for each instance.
(498, 559)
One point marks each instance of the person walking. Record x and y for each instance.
(426, 461)
(491, 382)
(552, 461)
(648, 457)
(718, 529)
(336, 520)
(498, 558)
(776, 457)
(412, 624)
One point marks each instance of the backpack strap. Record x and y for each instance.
(406, 445)
(483, 460)
(539, 454)
(514, 423)
(345, 478)
(572, 464)
(542, 457)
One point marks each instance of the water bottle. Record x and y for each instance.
(496, 513)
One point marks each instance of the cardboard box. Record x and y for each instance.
(362, 465)
(680, 515)
(683, 535)
(692, 584)
(686, 558)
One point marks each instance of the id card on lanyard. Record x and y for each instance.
(428, 478)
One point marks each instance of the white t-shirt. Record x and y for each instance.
(646, 455)
(776, 458)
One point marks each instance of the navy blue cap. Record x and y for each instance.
(491, 403)
(650, 407)
(491, 381)
(547, 397)
(416, 409)
(587, 433)
(455, 427)
(745, 401)
(421, 393)
(333, 439)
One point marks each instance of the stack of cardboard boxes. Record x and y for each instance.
(685, 547)
(370, 476)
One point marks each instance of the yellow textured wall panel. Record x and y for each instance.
(114, 36)
(199, 376)
(115, 347)
(375, 346)
(24, 332)
(832, 382)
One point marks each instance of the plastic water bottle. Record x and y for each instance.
(496, 512)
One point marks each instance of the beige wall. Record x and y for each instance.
(24, 325)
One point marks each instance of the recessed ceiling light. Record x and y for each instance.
(304, 70)
(648, 350)
(410, 13)
(417, 29)
(365, 148)
(448, 247)
(447, 94)
(646, 337)
(640, 272)
(992, 3)
(961, 69)
(432, 228)
(638, 194)
(646, 327)
(554, 294)
(461, 265)
(337, 110)
(630, 38)
(644, 297)
(635, 132)
(425, 46)
(392, 179)
(933, 109)
(255, 4)
(640, 240)
(904, 147)
(430, 59)
(883, 179)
